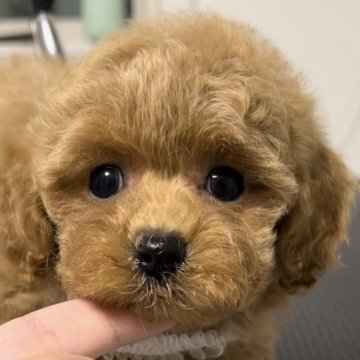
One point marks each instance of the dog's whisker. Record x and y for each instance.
(47, 263)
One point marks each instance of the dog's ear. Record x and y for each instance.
(27, 232)
(309, 235)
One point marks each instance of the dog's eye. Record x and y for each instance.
(225, 183)
(105, 181)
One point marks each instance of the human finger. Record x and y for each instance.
(57, 357)
(77, 327)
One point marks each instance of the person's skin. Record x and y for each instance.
(72, 330)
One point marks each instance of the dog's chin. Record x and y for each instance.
(155, 299)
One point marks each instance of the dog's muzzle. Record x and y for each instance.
(159, 254)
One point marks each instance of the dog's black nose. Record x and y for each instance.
(159, 253)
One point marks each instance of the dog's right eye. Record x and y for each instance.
(105, 181)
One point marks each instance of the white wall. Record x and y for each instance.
(320, 37)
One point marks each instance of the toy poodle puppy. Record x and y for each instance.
(177, 172)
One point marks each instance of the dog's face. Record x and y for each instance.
(167, 172)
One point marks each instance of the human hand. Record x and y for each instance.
(72, 330)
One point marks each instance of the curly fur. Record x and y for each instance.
(167, 101)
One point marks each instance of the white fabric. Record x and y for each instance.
(200, 345)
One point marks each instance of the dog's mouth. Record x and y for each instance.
(160, 283)
(158, 280)
(156, 277)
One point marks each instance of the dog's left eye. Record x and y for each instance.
(225, 183)
(105, 181)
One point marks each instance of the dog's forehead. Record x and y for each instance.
(168, 87)
(165, 96)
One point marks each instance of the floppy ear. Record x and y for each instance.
(308, 236)
(27, 233)
(26, 242)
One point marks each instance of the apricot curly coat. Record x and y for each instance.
(167, 101)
